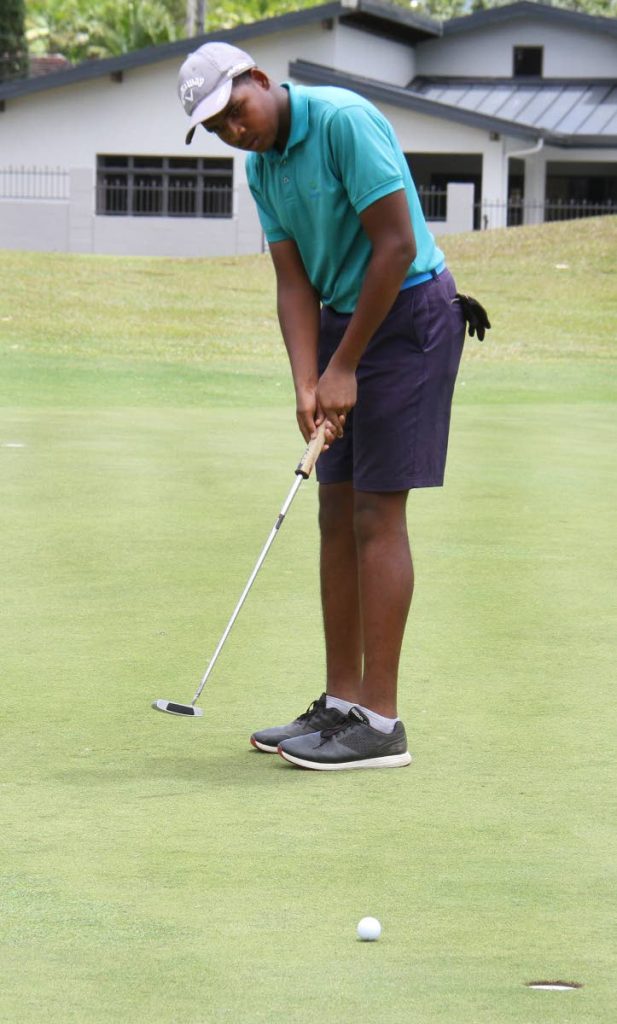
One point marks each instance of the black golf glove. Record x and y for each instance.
(475, 315)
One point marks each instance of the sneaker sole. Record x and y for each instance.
(262, 746)
(390, 761)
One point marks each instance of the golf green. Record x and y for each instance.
(158, 870)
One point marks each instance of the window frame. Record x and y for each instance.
(164, 186)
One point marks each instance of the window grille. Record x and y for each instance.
(149, 186)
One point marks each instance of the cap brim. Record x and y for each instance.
(211, 105)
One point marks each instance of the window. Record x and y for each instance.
(151, 186)
(527, 61)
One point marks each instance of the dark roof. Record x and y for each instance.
(400, 96)
(389, 20)
(370, 15)
(529, 11)
(562, 114)
(573, 111)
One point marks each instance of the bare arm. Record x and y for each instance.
(298, 312)
(388, 226)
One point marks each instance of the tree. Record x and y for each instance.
(195, 16)
(444, 9)
(229, 13)
(86, 29)
(13, 48)
(81, 30)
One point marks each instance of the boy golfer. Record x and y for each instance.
(374, 332)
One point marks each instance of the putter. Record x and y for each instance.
(303, 471)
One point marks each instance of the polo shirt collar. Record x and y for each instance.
(299, 121)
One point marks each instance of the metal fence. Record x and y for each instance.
(48, 183)
(176, 195)
(166, 196)
(517, 212)
(434, 202)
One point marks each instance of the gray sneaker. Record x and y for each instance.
(315, 718)
(352, 743)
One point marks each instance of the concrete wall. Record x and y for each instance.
(182, 237)
(72, 226)
(362, 54)
(488, 51)
(39, 226)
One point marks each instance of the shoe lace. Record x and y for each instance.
(311, 709)
(334, 730)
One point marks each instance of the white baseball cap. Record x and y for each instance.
(205, 80)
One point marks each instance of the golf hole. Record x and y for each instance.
(555, 986)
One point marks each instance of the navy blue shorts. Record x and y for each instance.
(396, 436)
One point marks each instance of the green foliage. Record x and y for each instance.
(228, 13)
(444, 9)
(438, 9)
(13, 49)
(79, 32)
(83, 31)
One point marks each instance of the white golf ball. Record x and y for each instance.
(368, 929)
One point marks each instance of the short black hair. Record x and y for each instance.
(244, 77)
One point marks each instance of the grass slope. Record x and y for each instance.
(158, 871)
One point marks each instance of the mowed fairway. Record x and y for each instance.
(156, 870)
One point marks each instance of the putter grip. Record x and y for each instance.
(312, 453)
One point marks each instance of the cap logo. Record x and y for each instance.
(186, 90)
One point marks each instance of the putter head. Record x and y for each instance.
(171, 708)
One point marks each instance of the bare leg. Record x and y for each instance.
(339, 592)
(366, 587)
(385, 574)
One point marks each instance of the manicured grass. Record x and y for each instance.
(160, 871)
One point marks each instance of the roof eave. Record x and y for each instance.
(389, 20)
(581, 141)
(525, 9)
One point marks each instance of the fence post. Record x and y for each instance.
(535, 178)
(459, 207)
(81, 210)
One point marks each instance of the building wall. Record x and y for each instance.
(420, 133)
(359, 53)
(568, 53)
(141, 115)
(69, 126)
(185, 237)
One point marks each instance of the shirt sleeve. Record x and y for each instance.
(364, 156)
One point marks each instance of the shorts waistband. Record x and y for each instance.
(411, 282)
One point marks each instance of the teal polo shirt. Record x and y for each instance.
(341, 156)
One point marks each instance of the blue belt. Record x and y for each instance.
(411, 282)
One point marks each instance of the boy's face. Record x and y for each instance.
(251, 120)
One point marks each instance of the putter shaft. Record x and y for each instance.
(303, 472)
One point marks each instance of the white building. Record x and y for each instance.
(513, 108)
